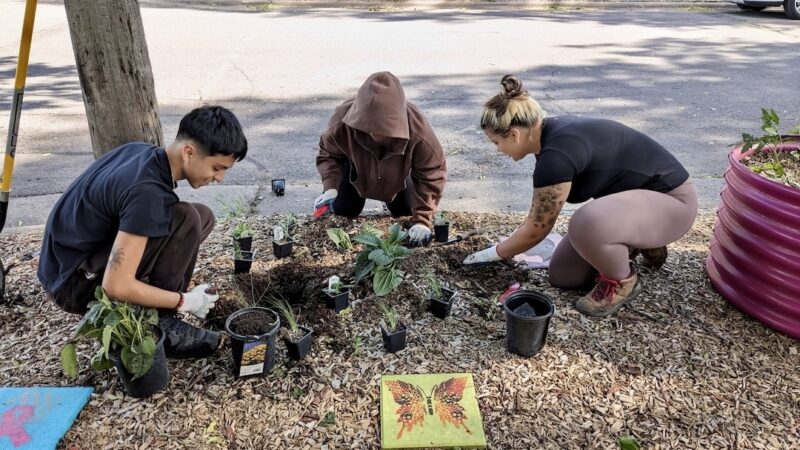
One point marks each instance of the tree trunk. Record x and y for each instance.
(115, 73)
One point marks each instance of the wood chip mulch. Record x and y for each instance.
(679, 368)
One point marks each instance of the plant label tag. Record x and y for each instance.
(332, 281)
(253, 355)
(277, 232)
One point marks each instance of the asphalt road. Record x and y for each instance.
(693, 80)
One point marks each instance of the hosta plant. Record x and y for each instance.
(123, 330)
(379, 259)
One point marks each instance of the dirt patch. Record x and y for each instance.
(253, 323)
(680, 367)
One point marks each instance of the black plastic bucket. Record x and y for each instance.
(155, 380)
(253, 354)
(528, 316)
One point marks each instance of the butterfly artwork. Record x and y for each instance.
(425, 410)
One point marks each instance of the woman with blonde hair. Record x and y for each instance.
(642, 197)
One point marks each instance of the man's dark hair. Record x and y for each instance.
(216, 129)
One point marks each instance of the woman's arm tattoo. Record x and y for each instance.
(547, 203)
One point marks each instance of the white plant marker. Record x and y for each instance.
(277, 232)
(331, 281)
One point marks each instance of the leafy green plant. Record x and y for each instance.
(628, 443)
(371, 230)
(285, 309)
(440, 218)
(340, 238)
(379, 259)
(122, 330)
(242, 230)
(772, 138)
(337, 287)
(290, 225)
(390, 317)
(433, 283)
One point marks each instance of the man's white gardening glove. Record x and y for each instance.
(483, 256)
(323, 205)
(198, 302)
(419, 235)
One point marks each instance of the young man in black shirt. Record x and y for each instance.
(642, 197)
(121, 226)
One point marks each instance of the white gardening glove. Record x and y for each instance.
(323, 205)
(483, 256)
(198, 302)
(419, 235)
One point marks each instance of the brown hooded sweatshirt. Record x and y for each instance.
(379, 171)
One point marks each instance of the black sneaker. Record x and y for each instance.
(183, 340)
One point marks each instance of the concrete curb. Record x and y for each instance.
(416, 5)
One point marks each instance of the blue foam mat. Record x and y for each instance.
(37, 417)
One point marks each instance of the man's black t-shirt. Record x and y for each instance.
(602, 157)
(128, 189)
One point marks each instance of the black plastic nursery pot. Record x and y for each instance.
(243, 263)
(395, 341)
(244, 244)
(441, 233)
(440, 307)
(282, 249)
(337, 302)
(252, 332)
(155, 380)
(528, 316)
(299, 349)
(278, 186)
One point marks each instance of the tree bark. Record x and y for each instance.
(115, 73)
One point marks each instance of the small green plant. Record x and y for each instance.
(440, 218)
(122, 330)
(242, 230)
(290, 225)
(298, 392)
(379, 259)
(368, 229)
(358, 344)
(337, 287)
(232, 208)
(340, 238)
(390, 317)
(433, 283)
(628, 443)
(285, 309)
(329, 419)
(772, 138)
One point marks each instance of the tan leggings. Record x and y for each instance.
(601, 233)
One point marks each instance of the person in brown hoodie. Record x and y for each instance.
(379, 146)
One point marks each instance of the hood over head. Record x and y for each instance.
(379, 107)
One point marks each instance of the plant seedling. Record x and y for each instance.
(340, 238)
(393, 332)
(292, 329)
(379, 258)
(242, 230)
(338, 294)
(121, 329)
(441, 227)
(390, 317)
(440, 218)
(771, 140)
